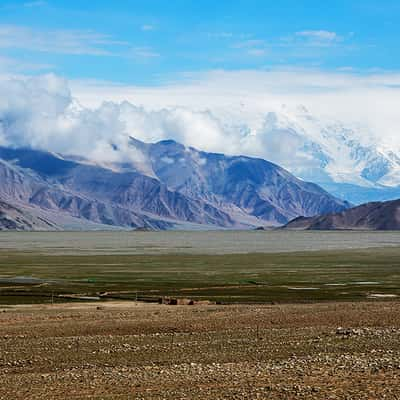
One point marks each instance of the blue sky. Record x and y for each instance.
(151, 42)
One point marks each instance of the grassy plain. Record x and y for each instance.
(228, 278)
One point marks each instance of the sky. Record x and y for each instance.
(155, 41)
(206, 73)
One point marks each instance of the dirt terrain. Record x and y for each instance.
(128, 350)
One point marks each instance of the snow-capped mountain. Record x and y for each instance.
(346, 160)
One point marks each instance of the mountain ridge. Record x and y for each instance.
(182, 186)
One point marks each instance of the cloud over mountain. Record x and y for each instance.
(42, 113)
(339, 142)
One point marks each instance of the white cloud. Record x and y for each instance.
(252, 47)
(41, 112)
(307, 44)
(242, 98)
(12, 64)
(73, 42)
(308, 40)
(58, 41)
(319, 35)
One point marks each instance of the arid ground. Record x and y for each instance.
(128, 350)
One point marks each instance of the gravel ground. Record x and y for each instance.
(128, 350)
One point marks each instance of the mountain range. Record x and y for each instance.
(370, 216)
(167, 186)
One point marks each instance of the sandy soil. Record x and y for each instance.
(134, 351)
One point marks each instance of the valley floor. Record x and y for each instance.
(302, 315)
(128, 350)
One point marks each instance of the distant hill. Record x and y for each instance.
(369, 216)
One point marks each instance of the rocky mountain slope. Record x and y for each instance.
(167, 185)
(14, 218)
(370, 216)
(244, 187)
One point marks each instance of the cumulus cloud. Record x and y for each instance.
(41, 113)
